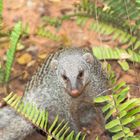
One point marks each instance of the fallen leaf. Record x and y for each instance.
(20, 47)
(124, 65)
(24, 59)
(31, 63)
(42, 56)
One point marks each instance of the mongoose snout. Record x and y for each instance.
(75, 93)
(74, 84)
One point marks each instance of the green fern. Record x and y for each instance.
(57, 130)
(121, 55)
(48, 34)
(116, 13)
(107, 29)
(125, 10)
(14, 38)
(125, 113)
(52, 21)
(56, 21)
(116, 33)
(116, 53)
(113, 18)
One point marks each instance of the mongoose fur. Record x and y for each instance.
(65, 85)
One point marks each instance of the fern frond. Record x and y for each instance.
(91, 9)
(57, 130)
(116, 53)
(14, 38)
(124, 112)
(116, 33)
(116, 13)
(113, 18)
(48, 34)
(127, 10)
(52, 21)
(56, 21)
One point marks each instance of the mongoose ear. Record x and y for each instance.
(54, 64)
(88, 57)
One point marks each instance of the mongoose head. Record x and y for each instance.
(73, 72)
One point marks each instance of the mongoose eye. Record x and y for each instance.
(81, 73)
(65, 77)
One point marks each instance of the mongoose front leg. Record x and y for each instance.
(13, 126)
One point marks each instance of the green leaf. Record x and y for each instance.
(122, 95)
(35, 115)
(46, 120)
(127, 120)
(57, 128)
(124, 65)
(118, 86)
(115, 129)
(103, 53)
(107, 107)
(63, 130)
(101, 99)
(112, 123)
(127, 131)
(70, 136)
(135, 57)
(48, 34)
(118, 136)
(54, 124)
(39, 119)
(123, 113)
(78, 136)
(97, 138)
(33, 111)
(136, 124)
(124, 105)
(14, 38)
(134, 138)
(8, 97)
(134, 111)
(110, 113)
(81, 20)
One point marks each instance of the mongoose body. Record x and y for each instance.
(65, 85)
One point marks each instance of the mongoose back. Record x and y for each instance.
(65, 85)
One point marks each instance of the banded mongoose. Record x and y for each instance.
(65, 85)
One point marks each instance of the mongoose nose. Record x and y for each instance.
(75, 93)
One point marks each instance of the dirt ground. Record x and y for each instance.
(35, 49)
